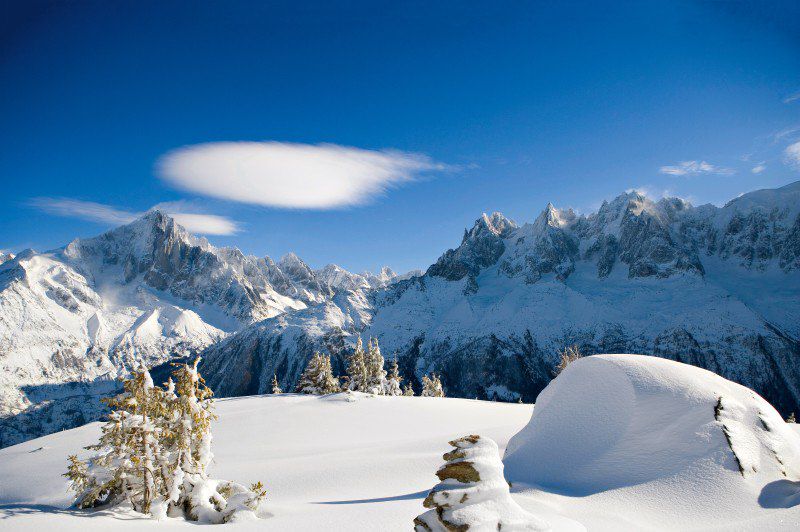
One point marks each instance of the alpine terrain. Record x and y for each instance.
(717, 288)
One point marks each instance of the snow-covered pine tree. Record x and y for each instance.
(276, 388)
(317, 378)
(791, 418)
(432, 386)
(376, 374)
(393, 380)
(154, 451)
(189, 429)
(408, 391)
(357, 369)
(130, 445)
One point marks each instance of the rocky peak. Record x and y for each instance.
(496, 224)
(481, 247)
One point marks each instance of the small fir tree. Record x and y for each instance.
(123, 467)
(154, 451)
(432, 386)
(393, 380)
(357, 376)
(408, 391)
(376, 374)
(318, 379)
(791, 418)
(276, 388)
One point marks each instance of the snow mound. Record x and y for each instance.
(660, 431)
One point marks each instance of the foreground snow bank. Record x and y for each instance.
(684, 445)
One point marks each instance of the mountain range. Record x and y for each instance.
(716, 287)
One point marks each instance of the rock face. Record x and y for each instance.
(74, 319)
(473, 495)
(658, 434)
(714, 287)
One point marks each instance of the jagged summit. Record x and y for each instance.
(704, 285)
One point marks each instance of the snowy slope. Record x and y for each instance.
(328, 464)
(74, 319)
(334, 465)
(715, 287)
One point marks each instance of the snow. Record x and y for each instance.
(339, 462)
(353, 462)
(665, 438)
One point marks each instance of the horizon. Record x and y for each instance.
(422, 268)
(366, 136)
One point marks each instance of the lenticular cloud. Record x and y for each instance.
(289, 175)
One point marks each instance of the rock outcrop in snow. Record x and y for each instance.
(473, 495)
(661, 433)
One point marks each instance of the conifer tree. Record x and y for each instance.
(376, 374)
(432, 386)
(129, 446)
(276, 388)
(408, 391)
(393, 380)
(357, 369)
(791, 418)
(189, 424)
(154, 451)
(317, 378)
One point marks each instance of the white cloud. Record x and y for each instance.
(792, 153)
(792, 98)
(760, 167)
(208, 224)
(287, 175)
(695, 168)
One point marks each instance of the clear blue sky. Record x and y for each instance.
(526, 102)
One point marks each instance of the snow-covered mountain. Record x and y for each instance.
(715, 287)
(74, 319)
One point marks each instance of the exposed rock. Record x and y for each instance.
(473, 495)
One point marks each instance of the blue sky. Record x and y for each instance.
(429, 116)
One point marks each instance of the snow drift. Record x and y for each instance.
(661, 434)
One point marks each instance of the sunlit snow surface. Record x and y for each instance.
(356, 463)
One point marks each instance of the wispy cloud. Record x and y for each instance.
(695, 168)
(792, 155)
(760, 167)
(304, 176)
(792, 98)
(195, 222)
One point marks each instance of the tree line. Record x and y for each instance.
(365, 373)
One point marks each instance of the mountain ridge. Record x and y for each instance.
(717, 287)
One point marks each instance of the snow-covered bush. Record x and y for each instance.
(473, 495)
(432, 386)
(408, 390)
(154, 452)
(317, 378)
